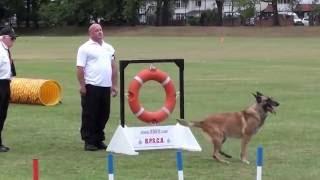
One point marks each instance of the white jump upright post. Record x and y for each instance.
(259, 162)
(110, 166)
(179, 164)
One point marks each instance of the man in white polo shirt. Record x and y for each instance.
(97, 74)
(7, 70)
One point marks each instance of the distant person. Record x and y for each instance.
(97, 75)
(7, 71)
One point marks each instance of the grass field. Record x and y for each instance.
(218, 77)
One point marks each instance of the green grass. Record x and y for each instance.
(218, 77)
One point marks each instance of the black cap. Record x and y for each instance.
(8, 31)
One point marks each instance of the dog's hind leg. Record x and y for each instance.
(223, 153)
(217, 143)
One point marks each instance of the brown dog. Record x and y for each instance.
(243, 124)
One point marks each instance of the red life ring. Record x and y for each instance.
(133, 95)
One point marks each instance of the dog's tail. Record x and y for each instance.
(184, 122)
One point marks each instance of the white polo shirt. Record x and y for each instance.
(5, 66)
(96, 60)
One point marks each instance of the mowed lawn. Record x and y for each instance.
(219, 76)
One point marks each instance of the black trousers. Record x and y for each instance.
(95, 113)
(4, 103)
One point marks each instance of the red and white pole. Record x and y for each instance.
(35, 169)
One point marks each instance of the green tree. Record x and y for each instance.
(275, 13)
(4, 11)
(79, 12)
(246, 8)
(158, 12)
(34, 14)
(164, 10)
(57, 12)
(11, 7)
(315, 13)
(25, 11)
(220, 15)
(185, 4)
(131, 11)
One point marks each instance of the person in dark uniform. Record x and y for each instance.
(7, 71)
(97, 75)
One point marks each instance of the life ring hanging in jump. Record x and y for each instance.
(133, 95)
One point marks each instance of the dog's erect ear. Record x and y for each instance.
(257, 96)
(259, 93)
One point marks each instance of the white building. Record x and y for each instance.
(195, 7)
(284, 5)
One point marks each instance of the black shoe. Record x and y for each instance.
(101, 145)
(4, 148)
(90, 147)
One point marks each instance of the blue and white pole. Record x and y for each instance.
(179, 164)
(110, 166)
(259, 162)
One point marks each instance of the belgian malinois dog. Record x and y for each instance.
(242, 124)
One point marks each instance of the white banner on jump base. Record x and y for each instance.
(128, 140)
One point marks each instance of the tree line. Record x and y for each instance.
(33, 13)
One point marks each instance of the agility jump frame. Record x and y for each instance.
(124, 63)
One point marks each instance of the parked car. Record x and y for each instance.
(250, 21)
(296, 20)
(305, 21)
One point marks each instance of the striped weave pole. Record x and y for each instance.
(259, 162)
(35, 168)
(110, 166)
(179, 164)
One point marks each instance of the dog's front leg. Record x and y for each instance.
(244, 149)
